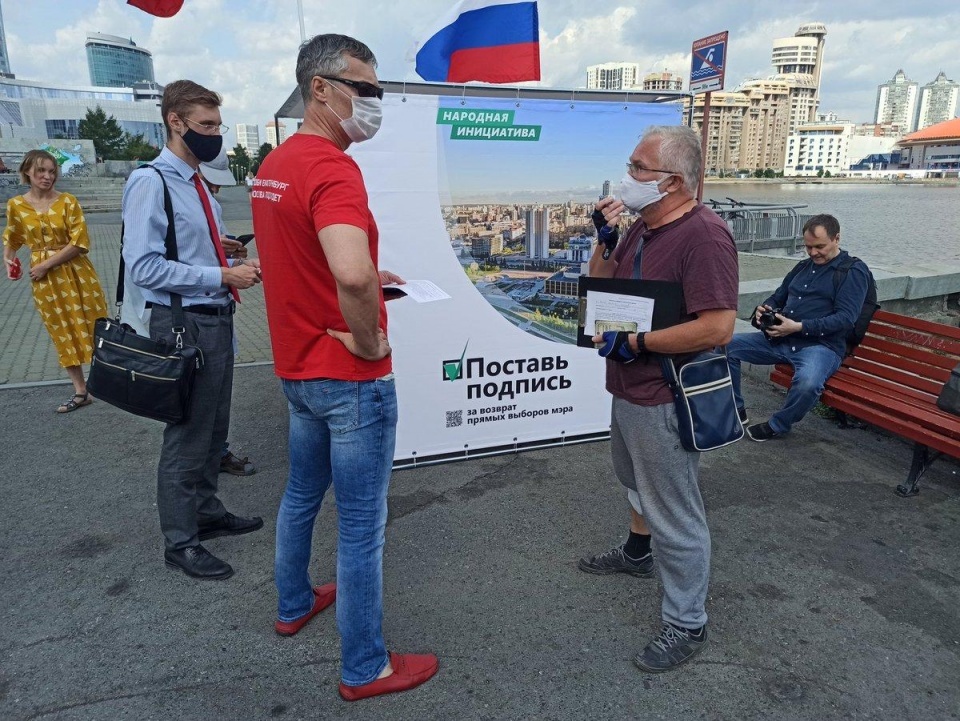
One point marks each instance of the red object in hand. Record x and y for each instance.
(14, 270)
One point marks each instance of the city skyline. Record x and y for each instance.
(568, 162)
(247, 50)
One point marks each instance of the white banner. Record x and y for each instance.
(454, 184)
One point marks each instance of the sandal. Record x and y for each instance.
(73, 404)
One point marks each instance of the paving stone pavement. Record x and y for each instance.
(27, 354)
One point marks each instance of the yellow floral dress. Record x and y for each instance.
(69, 297)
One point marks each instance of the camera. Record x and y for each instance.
(768, 319)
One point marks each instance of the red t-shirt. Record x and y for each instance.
(303, 186)
(695, 250)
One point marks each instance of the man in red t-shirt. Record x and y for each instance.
(677, 239)
(317, 241)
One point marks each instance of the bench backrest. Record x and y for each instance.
(914, 353)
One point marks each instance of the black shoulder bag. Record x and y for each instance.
(146, 377)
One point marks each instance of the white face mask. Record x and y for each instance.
(636, 195)
(366, 118)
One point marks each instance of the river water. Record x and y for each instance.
(890, 226)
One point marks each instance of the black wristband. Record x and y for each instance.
(641, 342)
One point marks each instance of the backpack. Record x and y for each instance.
(870, 304)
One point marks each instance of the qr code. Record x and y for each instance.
(454, 419)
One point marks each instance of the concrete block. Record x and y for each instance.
(929, 281)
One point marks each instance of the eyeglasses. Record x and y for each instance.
(634, 168)
(364, 90)
(209, 128)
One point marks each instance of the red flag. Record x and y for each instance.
(160, 8)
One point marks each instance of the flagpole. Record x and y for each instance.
(303, 34)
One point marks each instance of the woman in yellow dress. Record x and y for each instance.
(66, 289)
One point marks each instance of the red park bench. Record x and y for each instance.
(892, 381)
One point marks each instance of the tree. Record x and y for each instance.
(768, 173)
(241, 163)
(262, 152)
(826, 174)
(105, 132)
(136, 147)
(758, 173)
(820, 173)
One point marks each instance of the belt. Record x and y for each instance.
(228, 309)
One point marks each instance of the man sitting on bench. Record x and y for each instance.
(805, 323)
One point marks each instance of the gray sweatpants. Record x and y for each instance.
(661, 478)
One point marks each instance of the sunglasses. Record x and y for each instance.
(364, 90)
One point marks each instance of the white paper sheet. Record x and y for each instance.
(422, 291)
(616, 308)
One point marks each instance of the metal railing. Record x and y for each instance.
(769, 226)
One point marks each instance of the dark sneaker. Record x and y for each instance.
(237, 466)
(616, 561)
(742, 412)
(673, 647)
(761, 432)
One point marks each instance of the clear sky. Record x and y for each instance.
(246, 49)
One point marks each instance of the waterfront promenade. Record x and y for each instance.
(831, 598)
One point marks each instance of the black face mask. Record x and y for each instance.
(205, 147)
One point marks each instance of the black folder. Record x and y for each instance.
(667, 301)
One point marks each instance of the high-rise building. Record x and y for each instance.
(272, 138)
(752, 124)
(897, 102)
(766, 123)
(606, 189)
(4, 57)
(727, 112)
(803, 53)
(662, 81)
(248, 137)
(613, 76)
(116, 62)
(938, 101)
(538, 232)
(799, 62)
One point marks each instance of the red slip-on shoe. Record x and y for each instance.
(409, 671)
(324, 596)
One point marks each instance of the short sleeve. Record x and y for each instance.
(338, 195)
(76, 224)
(711, 274)
(13, 233)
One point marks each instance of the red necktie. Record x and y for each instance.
(212, 224)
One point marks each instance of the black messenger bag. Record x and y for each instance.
(143, 376)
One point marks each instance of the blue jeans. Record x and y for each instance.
(812, 367)
(342, 432)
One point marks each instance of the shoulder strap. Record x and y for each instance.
(843, 267)
(796, 269)
(169, 242)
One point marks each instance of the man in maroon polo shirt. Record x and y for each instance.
(676, 239)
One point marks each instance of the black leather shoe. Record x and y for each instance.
(229, 525)
(198, 562)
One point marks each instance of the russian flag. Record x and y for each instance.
(485, 40)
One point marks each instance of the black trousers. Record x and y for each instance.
(190, 456)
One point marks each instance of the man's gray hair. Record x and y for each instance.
(679, 152)
(327, 55)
